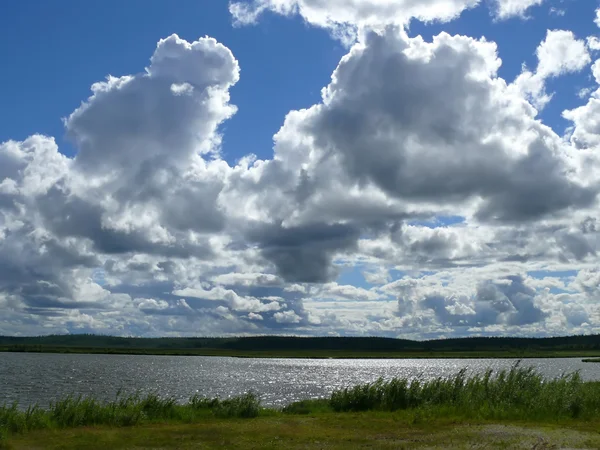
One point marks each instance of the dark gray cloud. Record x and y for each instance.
(304, 254)
(67, 215)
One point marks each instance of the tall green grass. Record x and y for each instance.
(518, 393)
(124, 411)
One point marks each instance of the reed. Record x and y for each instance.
(123, 411)
(517, 393)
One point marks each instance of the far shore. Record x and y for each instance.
(316, 347)
(590, 356)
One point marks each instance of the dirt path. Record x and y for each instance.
(510, 437)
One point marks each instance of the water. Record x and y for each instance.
(31, 378)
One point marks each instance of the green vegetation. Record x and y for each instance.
(315, 347)
(122, 412)
(331, 431)
(519, 394)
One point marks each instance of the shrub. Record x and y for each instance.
(245, 406)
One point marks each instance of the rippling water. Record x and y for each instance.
(40, 378)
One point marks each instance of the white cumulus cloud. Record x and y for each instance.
(559, 54)
(510, 8)
(148, 230)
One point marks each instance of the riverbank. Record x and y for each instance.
(331, 431)
(391, 412)
(311, 354)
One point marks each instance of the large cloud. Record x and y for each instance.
(343, 17)
(431, 126)
(147, 230)
(328, 14)
(509, 303)
(141, 139)
(145, 181)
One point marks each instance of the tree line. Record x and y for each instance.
(293, 343)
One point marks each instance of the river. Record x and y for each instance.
(31, 378)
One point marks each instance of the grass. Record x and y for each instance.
(126, 411)
(332, 431)
(519, 394)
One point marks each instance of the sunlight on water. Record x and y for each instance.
(30, 378)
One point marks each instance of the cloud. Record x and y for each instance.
(141, 145)
(329, 14)
(305, 254)
(343, 18)
(231, 298)
(510, 8)
(347, 292)
(149, 231)
(287, 317)
(585, 133)
(430, 126)
(377, 275)
(593, 43)
(507, 302)
(37, 267)
(558, 12)
(141, 164)
(559, 54)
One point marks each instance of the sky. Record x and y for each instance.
(404, 168)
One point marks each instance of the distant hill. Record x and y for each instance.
(372, 345)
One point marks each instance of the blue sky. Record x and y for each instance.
(66, 46)
(422, 195)
(54, 51)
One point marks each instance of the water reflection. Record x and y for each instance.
(40, 378)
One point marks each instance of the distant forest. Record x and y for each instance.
(303, 344)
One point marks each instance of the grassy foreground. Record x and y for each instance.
(323, 431)
(384, 414)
